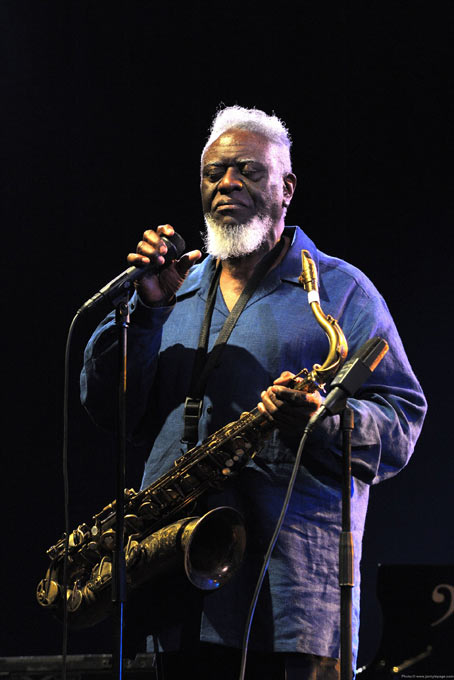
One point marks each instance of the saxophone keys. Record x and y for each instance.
(47, 592)
(102, 572)
(105, 512)
(79, 536)
(74, 599)
(242, 443)
(91, 552)
(147, 509)
(133, 552)
(107, 539)
(133, 523)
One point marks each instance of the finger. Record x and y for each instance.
(263, 411)
(308, 401)
(186, 261)
(151, 249)
(152, 237)
(282, 415)
(284, 378)
(137, 260)
(141, 260)
(271, 403)
(287, 395)
(147, 254)
(165, 230)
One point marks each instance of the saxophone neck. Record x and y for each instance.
(338, 346)
(309, 277)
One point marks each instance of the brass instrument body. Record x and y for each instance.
(152, 546)
(210, 548)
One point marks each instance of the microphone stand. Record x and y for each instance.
(119, 564)
(346, 576)
(346, 382)
(117, 292)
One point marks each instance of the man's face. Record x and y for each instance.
(242, 178)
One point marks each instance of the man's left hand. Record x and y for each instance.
(287, 408)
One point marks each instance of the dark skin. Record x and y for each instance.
(242, 176)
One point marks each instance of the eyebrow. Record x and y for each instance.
(238, 161)
(215, 164)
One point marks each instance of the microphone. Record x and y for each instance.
(351, 376)
(116, 289)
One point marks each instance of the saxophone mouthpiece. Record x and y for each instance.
(308, 277)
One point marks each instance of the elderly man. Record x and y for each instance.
(247, 184)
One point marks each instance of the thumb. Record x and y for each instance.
(186, 261)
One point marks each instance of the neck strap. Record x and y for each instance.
(203, 363)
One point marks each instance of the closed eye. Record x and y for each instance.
(213, 172)
(252, 170)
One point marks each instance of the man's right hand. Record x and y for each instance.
(159, 289)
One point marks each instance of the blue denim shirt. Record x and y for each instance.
(298, 610)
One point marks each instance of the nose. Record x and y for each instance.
(230, 181)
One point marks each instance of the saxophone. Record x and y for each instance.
(156, 538)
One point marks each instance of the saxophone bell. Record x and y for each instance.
(214, 548)
(209, 548)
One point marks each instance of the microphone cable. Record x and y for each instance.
(66, 492)
(267, 557)
(112, 292)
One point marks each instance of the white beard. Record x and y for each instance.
(235, 240)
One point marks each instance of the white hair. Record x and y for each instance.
(237, 117)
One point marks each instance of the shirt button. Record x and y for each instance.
(209, 409)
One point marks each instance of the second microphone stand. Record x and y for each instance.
(346, 561)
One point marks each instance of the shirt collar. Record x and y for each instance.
(289, 269)
(199, 278)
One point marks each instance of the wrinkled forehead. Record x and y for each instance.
(239, 145)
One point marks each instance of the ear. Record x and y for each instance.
(289, 180)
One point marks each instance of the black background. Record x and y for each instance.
(105, 109)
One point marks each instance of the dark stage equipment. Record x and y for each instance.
(417, 602)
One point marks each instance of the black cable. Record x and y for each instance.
(66, 494)
(267, 557)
